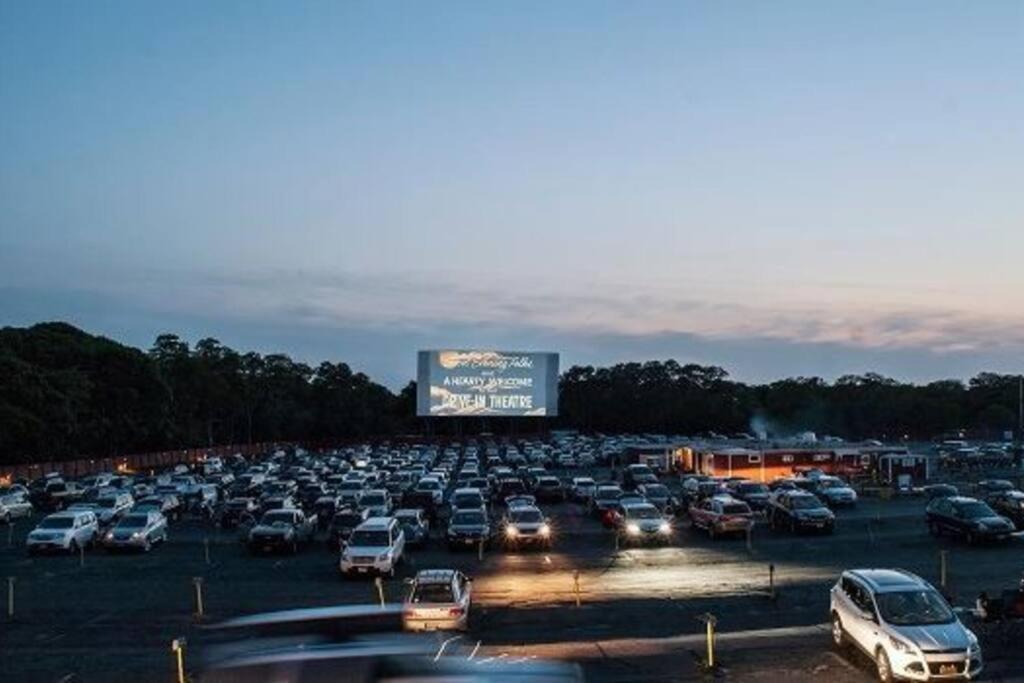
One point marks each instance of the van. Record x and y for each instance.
(376, 546)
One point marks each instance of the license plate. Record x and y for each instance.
(947, 669)
(361, 570)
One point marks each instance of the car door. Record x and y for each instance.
(861, 623)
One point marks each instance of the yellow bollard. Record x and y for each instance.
(943, 561)
(178, 648)
(709, 621)
(480, 551)
(576, 585)
(380, 590)
(771, 581)
(81, 556)
(206, 548)
(10, 597)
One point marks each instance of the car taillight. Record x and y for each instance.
(455, 612)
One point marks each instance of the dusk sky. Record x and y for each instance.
(785, 188)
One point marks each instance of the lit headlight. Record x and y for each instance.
(511, 531)
(982, 526)
(137, 534)
(544, 530)
(382, 557)
(632, 529)
(665, 528)
(898, 645)
(110, 535)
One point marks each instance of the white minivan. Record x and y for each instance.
(375, 547)
(64, 531)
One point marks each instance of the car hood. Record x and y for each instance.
(952, 636)
(266, 530)
(44, 534)
(648, 524)
(363, 550)
(993, 522)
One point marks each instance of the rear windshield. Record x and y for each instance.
(805, 503)
(433, 592)
(468, 518)
(272, 518)
(372, 499)
(735, 509)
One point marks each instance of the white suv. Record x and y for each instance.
(904, 624)
(67, 531)
(376, 546)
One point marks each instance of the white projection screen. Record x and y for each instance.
(459, 383)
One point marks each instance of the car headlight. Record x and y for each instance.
(982, 526)
(665, 528)
(511, 531)
(110, 535)
(137, 534)
(898, 644)
(544, 530)
(383, 556)
(632, 529)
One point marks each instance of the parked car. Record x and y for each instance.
(643, 523)
(1010, 504)
(549, 489)
(433, 487)
(582, 489)
(968, 518)
(377, 502)
(415, 525)
(467, 499)
(66, 531)
(238, 512)
(110, 508)
(606, 496)
(439, 600)
(799, 511)
(834, 492)
(933, 491)
(376, 546)
(468, 528)
(636, 474)
(283, 529)
(344, 522)
(56, 494)
(14, 504)
(753, 493)
(721, 515)
(659, 496)
(904, 625)
(167, 505)
(526, 526)
(990, 488)
(137, 531)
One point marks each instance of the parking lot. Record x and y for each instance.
(112, 617)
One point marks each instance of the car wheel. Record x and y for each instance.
(838, 635)
(883, 666)
(73, 546)
(147, 546)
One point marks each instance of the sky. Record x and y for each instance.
(781, 189)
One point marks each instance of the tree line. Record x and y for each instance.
(65, 393)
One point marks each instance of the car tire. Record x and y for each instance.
(883, 667)
(73, 547)
(838, 633)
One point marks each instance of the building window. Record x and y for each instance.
(754, 459)
(821, 457)
(787, 458)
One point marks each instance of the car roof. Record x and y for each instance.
(467, 489)
(435, 575)
(888, 580)
(68, 513)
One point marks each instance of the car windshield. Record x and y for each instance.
(372, 499)
(643, 513)
(432, 592)
(56, 523)
(914, 608)
(974, 510)
(428, 485)
(805, 503)
(278, 517)
(464, 518)
(132, 522)
(370, 538)
(527, 516)
(658, 491)
(468, 500)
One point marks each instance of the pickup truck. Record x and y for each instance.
(283, 529)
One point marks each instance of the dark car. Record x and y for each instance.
(753, 493)
(968, 518)
(468, 529)
(933, 491)
(344, 523)
(991, 488)
(325, 507)
(415, 525)
(549, 489)
(799, 511)
(238, 511)
(1010, 504)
